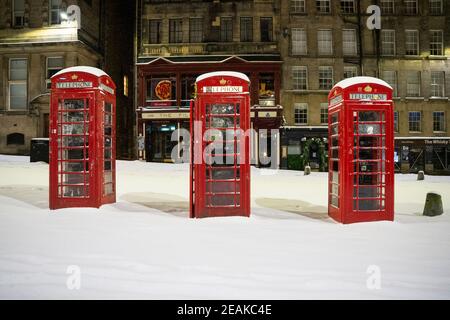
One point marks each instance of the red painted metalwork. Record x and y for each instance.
(82, 138)
(361, 151)
(222, 104)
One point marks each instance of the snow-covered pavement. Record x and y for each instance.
(145, 247)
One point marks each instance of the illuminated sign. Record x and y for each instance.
(163, 90)
(222, 89)
(368, 96)
(73, 85)
(166, 115)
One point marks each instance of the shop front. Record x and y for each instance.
(167, 85)
(307, 145)
(428, 154)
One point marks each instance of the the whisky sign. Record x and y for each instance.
(229, 89)
(368, 96)
(74, 85)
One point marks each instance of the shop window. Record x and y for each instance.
(15, 138)
(161, 91)
(266, 90)
(187, 89)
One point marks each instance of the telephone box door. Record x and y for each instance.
(224, 173)
(71, 143)
(372, 169)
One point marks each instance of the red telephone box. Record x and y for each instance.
(361, 151)
(82, 138)
(220, 116)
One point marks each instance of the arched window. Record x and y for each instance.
(15, 138)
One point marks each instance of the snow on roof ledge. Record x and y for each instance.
(91, 70)
(355, 80)
(224, 74)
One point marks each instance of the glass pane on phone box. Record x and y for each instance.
(368, 116)
(369, 205)
(222, 109)
(107, 153)
(108, 131)
(108, 107)
(223, 200)
(107, 142)
(73, 128)
(108, 119)
(72, 178)
(369, 141)
(107, 188)
(107, 165)
(73, 104)
(72, 154)
(369, 129)
(72, 141)
(72, 166)
(335, 201)
(224, 174)
(74, 191)
(73, 116)
(107, 177)
(368, 180)
(223, 122)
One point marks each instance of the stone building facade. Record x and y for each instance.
(36, 41)
(324, 42)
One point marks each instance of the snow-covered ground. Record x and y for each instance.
(144, 246)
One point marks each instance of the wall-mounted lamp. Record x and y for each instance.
(285, 32)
